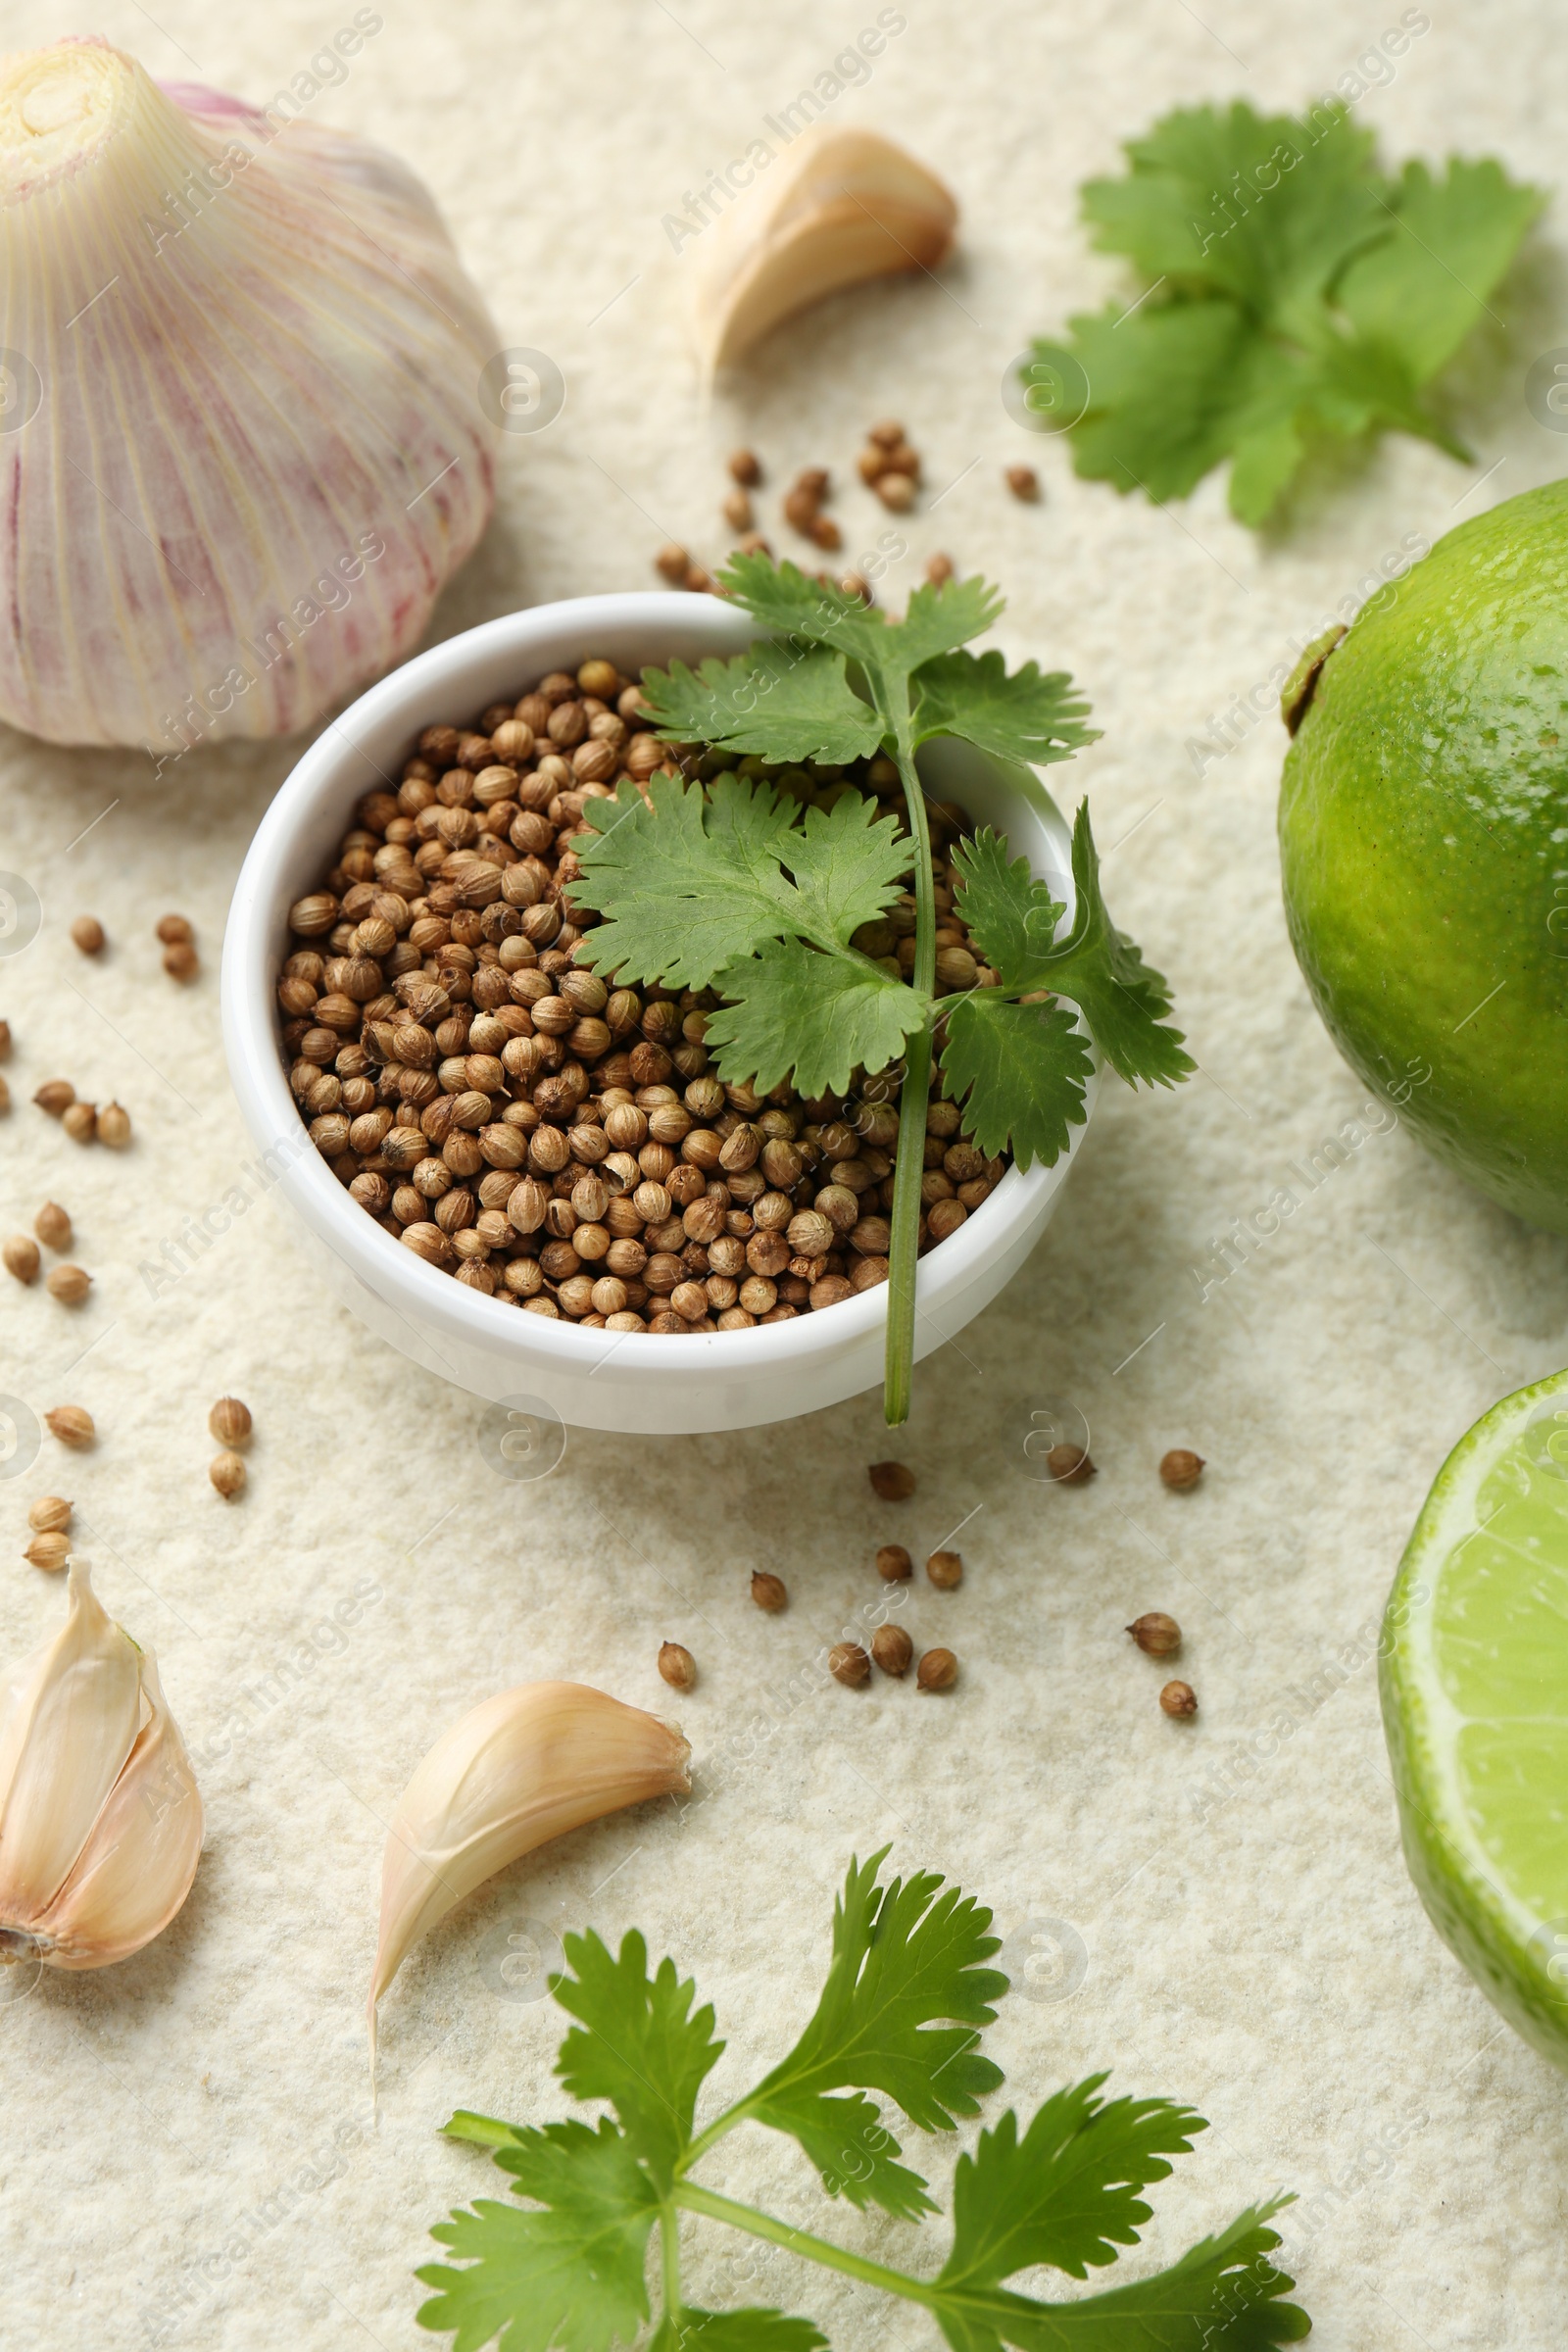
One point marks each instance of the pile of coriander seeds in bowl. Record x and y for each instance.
(555, 1143)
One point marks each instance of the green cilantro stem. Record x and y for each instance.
(916, 1095)
(670, 2252)
(800, 2242)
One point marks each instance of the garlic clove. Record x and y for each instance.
(100, 1818)
(136, 1868)
(847, 205)
(517, 1770)
(261, 443)
(71, 1719)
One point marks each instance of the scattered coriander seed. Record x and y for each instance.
(5, 1092)
(1156, 1634)
(945, 1569)
(80, 1122)
(1179, 1698)
(227, 1474)
(52, 1225)
(55, 1096)
(894, 1482)
(674, 564)
(938, 1670)
(745, 467)
(891, 1649)
(768, 1591)
(1024, 483)
(1181, 1468)
(856, 584)
(50, 1551)
(230, 1421)
(677, 1665)
(50, 1515)
(848, 1664)
(114, 1126)
(1070, 1465)
(738, 512)
(893, 1563)
(939, 569)
(180, 961)
(886, 433)
(72, 1425)
(175, 931)
(20, 1253)
(5, 1040)
(68, 1283)
(87, 933)
(896, 491)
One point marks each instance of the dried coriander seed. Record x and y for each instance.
(1181, 1468)
(68, 1284)
(80, 1122)
(72, 1425)
(227, 1474)
(176, 932)
(50, 1515)
(891, 1649)
(1179, 1698)
(20, 1253)
(677, 1665)
(848, 1664)
(87, 934)
(180, 961)
(1156, 1634)
(768, 1591)
(893, 1563)
(945, 1569)
(1070, 1465)
(894, 1482)
(52, 1225)
(1024, 483)
(114, 1126)
(938, 1670)
(5, 1040)
(50, 1551)
(230, 1421)
(55, 1096)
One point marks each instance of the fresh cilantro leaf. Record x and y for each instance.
(637, 2045)
(682, 889)
(1222, 2296)
(754, 2330)
(1121, 998)
(784, 597)
(1293, 296)
(480, 2130)
(1019, 1070)
(778, 701)
(1025, 716)
(1427, 285)
(566, 2280)
(1010, 915)
(904, 1956)
(936, 620)
(1065, 2193)
(849, 865)
(821, 1016)
(851, 2146)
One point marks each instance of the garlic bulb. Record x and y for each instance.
(843, 206)
(242, 440)
(100, 1818)
(517, 1769)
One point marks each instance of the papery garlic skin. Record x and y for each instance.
(519, 1769)
(259, 448)
(100, 1816)
(842, 205)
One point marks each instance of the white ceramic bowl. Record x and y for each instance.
(591, 1378)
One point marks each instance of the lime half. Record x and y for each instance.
(1475, 1704)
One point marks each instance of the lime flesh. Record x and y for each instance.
(1423, 850)
(1474, 1678)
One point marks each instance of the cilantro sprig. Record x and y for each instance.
(729, 885)
(908, 1992)
(1292, 295)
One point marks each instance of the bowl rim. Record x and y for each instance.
(395, 1275)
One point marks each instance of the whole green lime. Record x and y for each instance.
(1424, 846)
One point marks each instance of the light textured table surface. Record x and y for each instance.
(188, 2155)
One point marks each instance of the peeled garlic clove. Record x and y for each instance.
(241, 426)
(846, 204)
(519, 1769)
(100, 1818)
